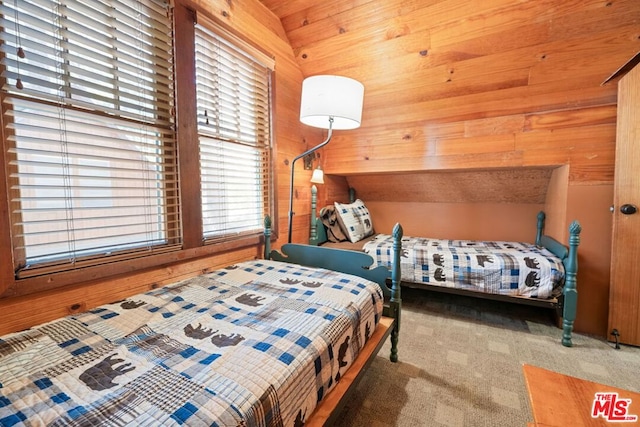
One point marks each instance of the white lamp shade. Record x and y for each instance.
(318, 176)
(331, 96)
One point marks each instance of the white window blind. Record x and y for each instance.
(87, 108)
(233, 101)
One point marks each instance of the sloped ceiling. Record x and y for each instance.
(452, 48)
(521, 185)
(470, 84)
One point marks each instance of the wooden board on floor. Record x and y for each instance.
(559, 400)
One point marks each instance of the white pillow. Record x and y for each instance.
(355, 220)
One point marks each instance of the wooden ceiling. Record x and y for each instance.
(455, 84)
(425, 50)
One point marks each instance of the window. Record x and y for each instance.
(88, 123)
(233, 104)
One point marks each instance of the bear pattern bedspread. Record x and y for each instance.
(507, 268)
(256, 344)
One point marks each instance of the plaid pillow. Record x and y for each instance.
(355, 220)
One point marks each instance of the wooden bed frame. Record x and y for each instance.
(565, 305)
(356, 263)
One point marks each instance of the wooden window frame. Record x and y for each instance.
(243, 84)
(188, 160)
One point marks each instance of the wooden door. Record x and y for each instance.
(624, 295)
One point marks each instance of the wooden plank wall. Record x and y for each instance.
(459, 84)
(478, 85)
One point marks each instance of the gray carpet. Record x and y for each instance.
(461, 364)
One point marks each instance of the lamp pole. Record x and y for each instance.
(293, 164)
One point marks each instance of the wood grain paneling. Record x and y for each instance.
(473, 221)
(475, 145)
(571, 118)
(462, 61)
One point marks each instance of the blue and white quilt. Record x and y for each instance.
(259, 343)
(506, 268)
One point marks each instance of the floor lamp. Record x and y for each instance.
(328, 102)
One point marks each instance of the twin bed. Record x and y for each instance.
(541, 274)
(272, 342)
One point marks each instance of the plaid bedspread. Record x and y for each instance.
(507, 268)
(256, 344)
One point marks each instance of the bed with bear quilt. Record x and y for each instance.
(495, 267)
(543, 273)
(257, 343)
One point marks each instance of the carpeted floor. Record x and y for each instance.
(461, 364)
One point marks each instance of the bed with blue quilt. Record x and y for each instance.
(258, 343)
(505, 268)
(540, 274)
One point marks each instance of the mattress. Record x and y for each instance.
(497, 267)
(258, 343)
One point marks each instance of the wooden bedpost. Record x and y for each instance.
(396, 300)
(570, 292)
(540, 227)
(313, 235)
(267, 237)
(314, 217)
